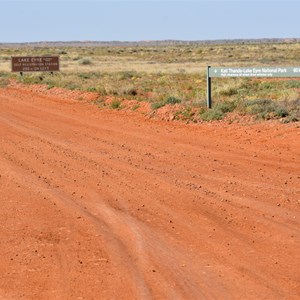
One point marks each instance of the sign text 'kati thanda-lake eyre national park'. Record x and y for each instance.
(255, 72)
(34, 63)
(223, 72)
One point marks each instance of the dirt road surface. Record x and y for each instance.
(102, 204)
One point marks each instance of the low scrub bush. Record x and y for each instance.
(128, 75)
(102, 90)
(293, 84)
(4, 79)
(226, 106)
(170, 100)
(85, 61)
(185, 114)
(292, 117)
(294, 111)
(30, 79)
(91, 89)
(5, 58)
(99, 102)
(157, 105)
(218, 111)
(173, 100)
(3, 82)
(115, 104)
(72, 86)
(135, 107)
(62, 52)
(85, 75)
(229, 92)
(267, 86)
(212, 114)
(129, 90)
(265, 108)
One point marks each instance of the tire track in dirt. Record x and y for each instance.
(91, 156)
(169, 211)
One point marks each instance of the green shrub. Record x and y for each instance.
(115, 104)
(281, 112)
(91, 89)
(293, 84)
(172, 100)
(185, 114)
(72, 86)
(226, 106)
(265, 108)
(212, 114)
(292, 117)
(128, 75)
(84, 75)
(129, 90)
(3, 81)
(29, 79)
(229, 92)
(5, 58)
(135, 107)
(267, 86)
(157, 105)
(218, 111)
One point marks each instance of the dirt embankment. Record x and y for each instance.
(97, 204)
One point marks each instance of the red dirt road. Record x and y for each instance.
(106, 205)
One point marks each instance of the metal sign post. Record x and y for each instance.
(271, 72)
(208, 80)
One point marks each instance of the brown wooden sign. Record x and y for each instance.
(35, 63)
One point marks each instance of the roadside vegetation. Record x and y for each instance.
(173, 76)
(4, 79)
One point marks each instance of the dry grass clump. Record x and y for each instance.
(4, 80)
(85, 61)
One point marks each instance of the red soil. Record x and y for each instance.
(99, 204)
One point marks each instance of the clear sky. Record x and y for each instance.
(28, 21)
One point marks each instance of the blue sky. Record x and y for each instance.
(28, 21)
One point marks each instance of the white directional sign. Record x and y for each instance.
(248, 72)
(255, 72)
